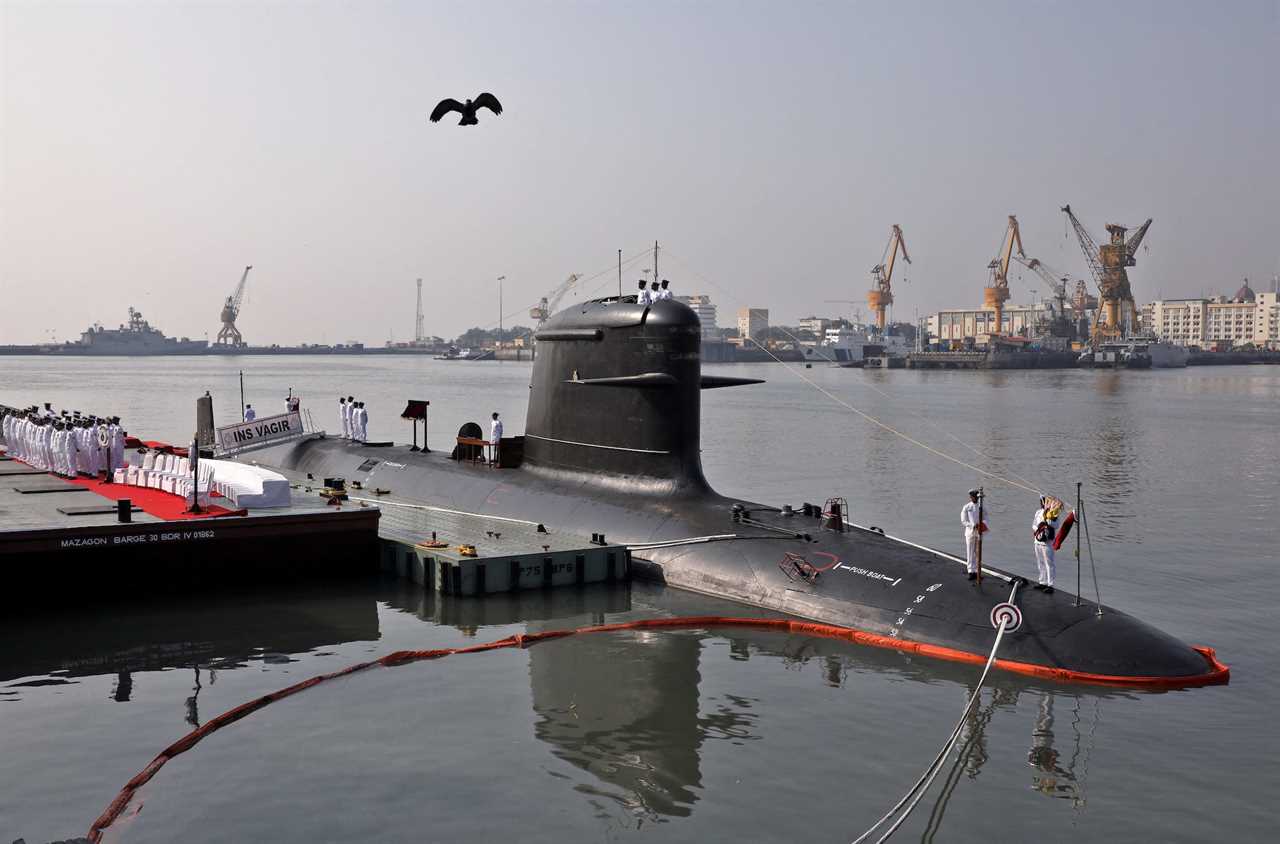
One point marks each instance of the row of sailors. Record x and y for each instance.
(65, 444)
(355, 419)
(656, 293)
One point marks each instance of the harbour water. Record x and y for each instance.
(682, 736)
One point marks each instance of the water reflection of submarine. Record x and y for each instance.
(210, 631)
(1051, 775)
(612, 446)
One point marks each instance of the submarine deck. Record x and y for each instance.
(901, 594)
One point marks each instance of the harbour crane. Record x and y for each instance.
(1108, 263)
(855, 314)
(1061, 326)
(881, 296)
(229, 335)
(995, 294)
(548, 304)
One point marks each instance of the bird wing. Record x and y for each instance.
(489, 101)
(445, 106)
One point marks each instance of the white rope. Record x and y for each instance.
(692, 540)
(926, 779)
(1027, 487)
(874, 421)
(384, 503)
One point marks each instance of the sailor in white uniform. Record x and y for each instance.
(343, 417)
(665, 292)
(95, 448)
(643, 297)
(1043, 529)
(55, 448)
(495, 434)
(69, 454)
(364, 422)
(51, 444)
(117, 443)
(82, 448)
(33, 442)
(969, 518)
(249, 413)
(351, 417)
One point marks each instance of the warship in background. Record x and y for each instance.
(138, 337)
(1136, 352)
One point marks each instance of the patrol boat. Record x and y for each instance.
(612, 447)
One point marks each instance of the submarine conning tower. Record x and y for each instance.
(615, 396)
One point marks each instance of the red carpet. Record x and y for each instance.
(162, 505)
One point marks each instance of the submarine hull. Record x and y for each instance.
(612, 446)
(880, 584)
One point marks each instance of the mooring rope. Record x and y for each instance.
(921, 785)
(892, 430)
(1093, 568)
(872, 419)
(1003, 614)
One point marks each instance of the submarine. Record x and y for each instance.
(612, 446)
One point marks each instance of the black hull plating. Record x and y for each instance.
(612, 446)
(890, 587)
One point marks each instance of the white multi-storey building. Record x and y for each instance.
(1247, 317)
(816, 325)
(706, 311)
(752, 322)
(1023, 320)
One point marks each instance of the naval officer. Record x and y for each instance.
(643, 297)
(495, 434)
(1044, 526)
(358, 418)
(665, 292)
(249, 413)
(973, 526)
(117, 443)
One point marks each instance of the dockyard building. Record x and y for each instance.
(1244, 319)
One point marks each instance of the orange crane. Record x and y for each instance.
(995, 294)
(881, 297)
(1108, 263)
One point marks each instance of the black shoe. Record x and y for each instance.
(1048, 590)
(1039, 586)
(973, 576)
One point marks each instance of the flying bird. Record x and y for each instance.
(467, 109)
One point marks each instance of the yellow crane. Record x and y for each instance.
(995, 294)
(881, 297)
(1116, 309)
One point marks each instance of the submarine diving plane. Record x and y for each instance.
(612, 446)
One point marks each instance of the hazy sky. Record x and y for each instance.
(150, 151)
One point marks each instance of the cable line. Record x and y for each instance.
(921, 786)
(1015, 481)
